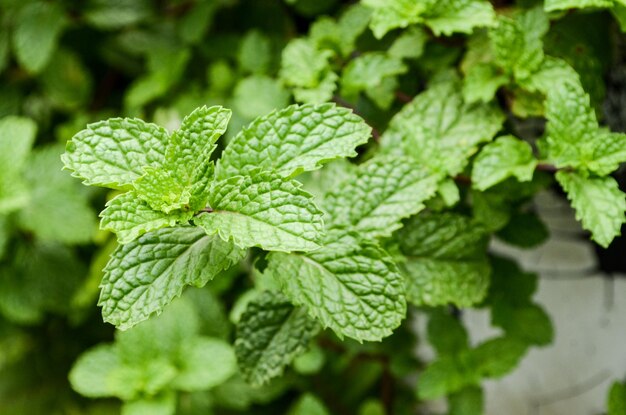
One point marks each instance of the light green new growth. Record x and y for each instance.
(270, 333)
(353, 288)
(142, 277)
(294, 140)
(505, 157)
(599, 204)
(263, 210)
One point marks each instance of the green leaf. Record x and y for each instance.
(17, 136)
(303, 65)
(617, 399)
(255, 52)
(525, 230)
(270, 334)
(57, 209)
(379, 195)
(459, 16)
(598, 202)
(113, 153)
(204, 363)
(517, 50)
(183, 181)
(496, 357)
(162, 404)
(106, 15)
(528, 323)
(308, 405)
(145, 275)
(468, 401)
(66, 81)
(552, 5)
(442, 17)
(264, 210)
(481, 83)
(350, 287)
(409, 45)
(368, 71)
(572, 125)
(445, 260)
(129, 217)
(446, 333)
(296, 139)
(258, 95)
(96, 373)
(445, 376)
(506, 157)
(439, 130)
(37, 29)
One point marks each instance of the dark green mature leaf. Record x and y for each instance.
(445, 260)
(468, 401)
(351, 287)
(270, 333)
(379, 195)
(293, 140)
(264, 210)
(598, 202)
(145, 275)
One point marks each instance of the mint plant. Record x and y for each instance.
(294, 197)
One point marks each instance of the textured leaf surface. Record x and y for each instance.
(293, 140)
(446, 260)
(439, 130)
(145, 275)
(599, 204)
(38, 26)
(459, 16)
(270, 333)
(264, 210)
(379, 195)
(129, 217)
(204, 363)
(354, 289)
(503, 158)
(113, 153)
(303, 65)
(518, 49)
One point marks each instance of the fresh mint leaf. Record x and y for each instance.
(129, 217)
(145, 275)
(204, 363)
(308, 404)
(379, 195)
(57, 210)
(270, 333)
(96, 373)
(353, 288)
(368, 72)
(459, 16)
(38, 26)
(113, 153)
(439, 130)
(263, 210)
(467, 401)
(296, 139)
(598, 202)
(506, 157)
(445, 260)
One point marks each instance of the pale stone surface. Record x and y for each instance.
(571, 376)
